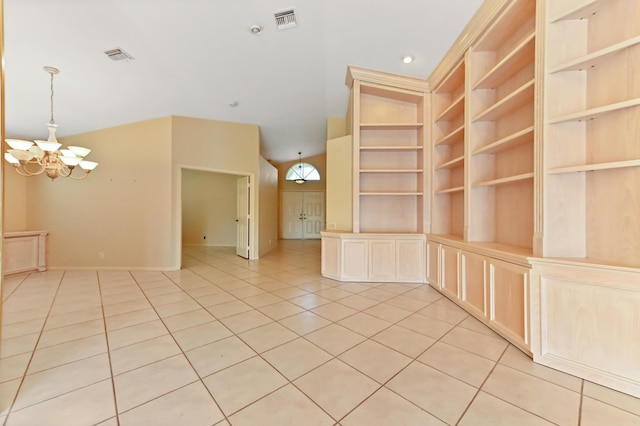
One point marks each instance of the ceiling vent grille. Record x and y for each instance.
(285, 19)
(118, 55)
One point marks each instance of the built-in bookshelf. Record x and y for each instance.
(592, 154)
(389, 158)
(448, 158)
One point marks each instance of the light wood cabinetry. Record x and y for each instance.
(448, 135)
(500, 148)
(389, 122)
(537, 107)
(373, 257)
(592, 149)
(530, 155)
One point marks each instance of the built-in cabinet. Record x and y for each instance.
(525, 178)
(389, 121)
(536, 176)
(373, 257)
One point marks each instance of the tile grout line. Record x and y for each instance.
(33, 351)
(179, 347)
(479, 388)
(106, 338)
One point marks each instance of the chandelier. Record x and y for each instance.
(29, 159)
(300, 179)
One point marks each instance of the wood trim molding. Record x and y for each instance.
(385, 79)
(488, 11)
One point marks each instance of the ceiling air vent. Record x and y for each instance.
(118, 55)
(285, 19)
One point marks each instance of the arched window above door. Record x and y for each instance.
(302, 172)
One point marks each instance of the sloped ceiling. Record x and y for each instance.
(196, 57)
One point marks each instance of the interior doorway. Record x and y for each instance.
(302, 214)
(216, 210)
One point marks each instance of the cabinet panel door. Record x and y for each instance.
(382, 256)
(331, 257)
(449, 277)
(354, 260)
(433, 264)
(509, 300)
(472, 282)
(410, 261)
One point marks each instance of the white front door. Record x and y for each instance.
(313, 214)
(302, 214)
(242, 217)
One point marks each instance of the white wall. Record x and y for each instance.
(208, 208)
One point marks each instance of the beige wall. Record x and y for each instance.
(268, 206)
(336, 128)
(129, 209)
(15, 200)
(216, 146)
(318, 161)
(339, 209)
(123, 210)
(208, 208)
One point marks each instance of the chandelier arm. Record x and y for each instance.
(28, 172)
(84, 176)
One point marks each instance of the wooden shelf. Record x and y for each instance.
(451, 164)
(390, 170)
(390, 126)
(519, 57)
(391, 148)
(450, 190)
(455, 109)
(453, 80)
(452, 136)
(595, 167)
(505, 180)
(592, 59)
(387, 193)
(519, 97)
(581, 11)
(509, 22)
(508, 142)
(592, 113)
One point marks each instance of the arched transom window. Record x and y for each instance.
(302, 172)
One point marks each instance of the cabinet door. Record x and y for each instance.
(382, 256)
(410, 261)
(449, 278)
(331, 257)
(354, 260)
(433, 264)
(509, 300)
(473, 282)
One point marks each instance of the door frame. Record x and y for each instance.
(177, 223)
(281, 210)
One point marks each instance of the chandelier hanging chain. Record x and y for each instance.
(51, 121)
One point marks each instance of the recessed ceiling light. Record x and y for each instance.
(255, 29)
(408, 59)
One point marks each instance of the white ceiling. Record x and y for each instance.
(195, 57)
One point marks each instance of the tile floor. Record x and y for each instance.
(269, 342)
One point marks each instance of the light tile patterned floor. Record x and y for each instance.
(269, 342)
